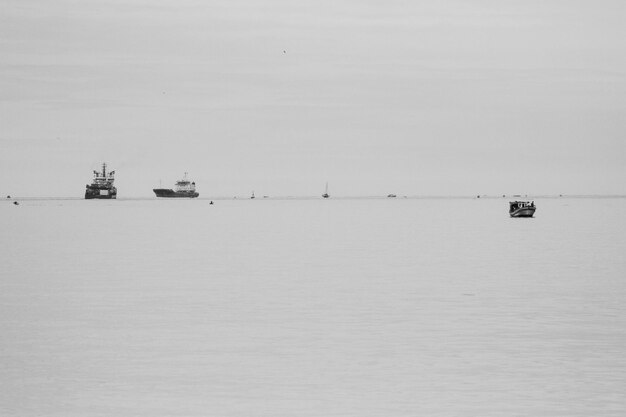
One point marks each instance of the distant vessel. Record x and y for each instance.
(183, 189)
(252, 196)
(522, 208)
(391, 196)
(326, 195)
(101, 185)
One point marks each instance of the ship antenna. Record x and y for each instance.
(104, 169)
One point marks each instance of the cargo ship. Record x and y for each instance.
(183, 189)
(101, 186)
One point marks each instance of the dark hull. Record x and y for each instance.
(523, 212)
(169, 193)
(94, 193)
(100, 197)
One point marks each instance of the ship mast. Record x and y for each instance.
(104, 169)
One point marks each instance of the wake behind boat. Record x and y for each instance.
(183, 189)
(522, 208)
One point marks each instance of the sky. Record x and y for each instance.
(280, 97)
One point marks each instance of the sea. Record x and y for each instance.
(312, 307)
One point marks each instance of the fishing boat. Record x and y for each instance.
(522, 208)
(101, 186)
(182, 189)
(326, 195)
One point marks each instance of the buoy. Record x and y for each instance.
(16, 203)
(211, 202)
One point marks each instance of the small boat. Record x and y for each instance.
(522, 208)
(391, 196)
(326, 195)
(252, 196)
(183, 189)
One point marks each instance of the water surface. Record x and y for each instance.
(388, 307)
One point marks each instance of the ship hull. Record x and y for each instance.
(523, 212)
(92, 194)
(169, 193)
(100, 197)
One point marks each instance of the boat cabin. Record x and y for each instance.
(516, 205)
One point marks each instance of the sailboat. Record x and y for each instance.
(326, 195)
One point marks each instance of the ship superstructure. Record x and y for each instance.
(101, 186)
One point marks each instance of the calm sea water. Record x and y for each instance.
(390, 307)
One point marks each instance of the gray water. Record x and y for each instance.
(389, 307)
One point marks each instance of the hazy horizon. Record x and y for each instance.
(462, 98)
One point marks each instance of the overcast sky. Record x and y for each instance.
(410, 97)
